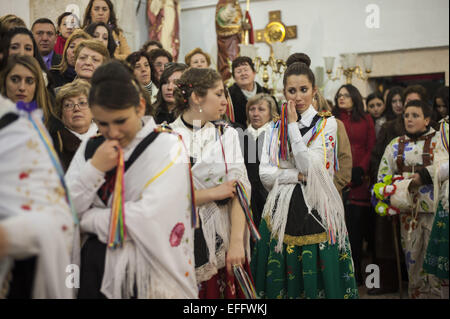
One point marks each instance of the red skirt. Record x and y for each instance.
(223, 286)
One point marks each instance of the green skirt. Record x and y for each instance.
(436, 257)
(308, 271)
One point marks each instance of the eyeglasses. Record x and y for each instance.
(70, 106)
(345, 95)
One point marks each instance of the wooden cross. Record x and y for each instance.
(275, 30)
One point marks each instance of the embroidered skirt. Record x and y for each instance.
(307, 267)
(436, 258)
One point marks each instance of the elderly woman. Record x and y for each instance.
(198, 59)
(89, 55)
(261, 111)
(65, 72)
(76, 123)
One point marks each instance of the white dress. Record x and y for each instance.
(33, 207)
(157, 210)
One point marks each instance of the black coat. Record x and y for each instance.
(240, 102)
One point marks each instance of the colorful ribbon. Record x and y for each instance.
(117, 228)
(444, 136)
(283, 135)
(43, 135)
(245, 282)
(243, 200)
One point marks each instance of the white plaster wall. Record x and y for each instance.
(17, 7)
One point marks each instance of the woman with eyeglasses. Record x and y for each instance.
(75, 124)
(361, 133)
(159, 58)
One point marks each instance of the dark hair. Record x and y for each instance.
(194, 80)
(13, 32)
(153, 55)
(112, 16)
(358, 105)
(90, 29)
(373, 96)
(426, 109)
(442, 93)
(43, 21)
(242, 60)
(62, 16)
(134, 58)
(416, 88)
(298, 57)
(161, 104)
(114, 87)
(10, 21)
(299, 68)
(393, 91)
(151, 42)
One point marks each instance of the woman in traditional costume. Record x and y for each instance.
(394, 193)
(436, 257)
(36, 227)
(139, 240)
(304, 250)
(222, 242)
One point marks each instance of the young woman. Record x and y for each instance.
(165, 106)
(22, 80)
(198, 59)
(217, 165)
(89, 55)
(155, 259)
(36, 226)
(440, 104)
(65, 72)
(67, 23)
(103, 11)
(100, 31)
(361, 133)
(405, 155)
(377, 109)
(74, 120)
(304, 250)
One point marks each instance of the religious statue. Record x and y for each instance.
(163, 16)
(229, 29)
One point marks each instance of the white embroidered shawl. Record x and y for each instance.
(33, 209)
(158, 253)
(205, 146)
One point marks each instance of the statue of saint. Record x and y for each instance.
(163, 17)
(229, 29)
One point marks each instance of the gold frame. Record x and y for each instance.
(274, 27)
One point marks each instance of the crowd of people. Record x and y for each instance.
(159, 181)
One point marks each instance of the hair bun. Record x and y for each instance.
(114, 71)
(298, 58)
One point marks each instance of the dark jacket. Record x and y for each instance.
(64, 78)
(240, 102)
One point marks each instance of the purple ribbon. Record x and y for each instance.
(27, 107)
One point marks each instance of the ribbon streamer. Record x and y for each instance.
(117, 228)
(243, 200)
(245, 282)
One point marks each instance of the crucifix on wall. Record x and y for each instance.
(275, 30)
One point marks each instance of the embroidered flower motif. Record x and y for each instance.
(407, 149)
(409, 260)
(176, 235)
(26, 207)
(427, 189)
(328, 165)
(64, 228)
(331, 138)
(24, 175)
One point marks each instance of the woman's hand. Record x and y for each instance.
(291, 112)
(416, 182)
(105, 157)
(301, 177)
(235, 254)
(224, 190)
